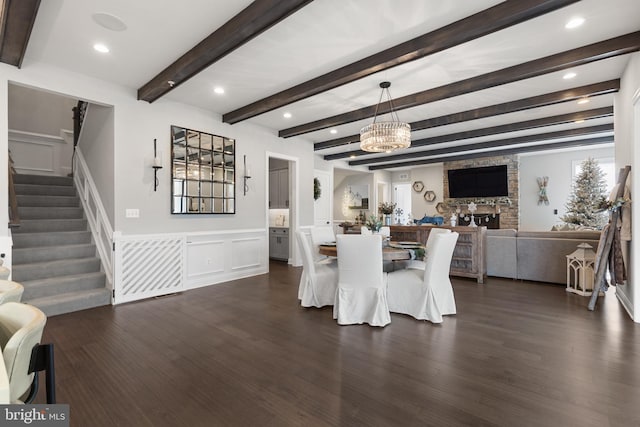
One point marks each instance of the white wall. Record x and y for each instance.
(431, 177)
(39, 111)
(557, 166)
(627, 131)
(136, 124)
(96, 143)
(343, 180)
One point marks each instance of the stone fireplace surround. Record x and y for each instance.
(507, 207)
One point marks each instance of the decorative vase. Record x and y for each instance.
(387, 220)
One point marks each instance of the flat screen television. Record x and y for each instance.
(490, 181)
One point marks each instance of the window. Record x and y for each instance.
(608, 166)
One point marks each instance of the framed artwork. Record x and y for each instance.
(358, 196)
(441, 208)
(418, 186)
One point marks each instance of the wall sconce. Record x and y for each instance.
(247, 175)
(157, 164)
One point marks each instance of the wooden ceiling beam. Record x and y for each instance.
(596, 113)
(571, 133)
(545, 100)
(508, 151)
(621, 45)
(256, 18)
(16, 23)
(488, 21)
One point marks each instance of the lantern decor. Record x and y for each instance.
(580, 273)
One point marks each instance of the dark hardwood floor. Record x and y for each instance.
(245, 353)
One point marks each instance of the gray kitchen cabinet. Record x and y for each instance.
(279, 189)
(279, 243)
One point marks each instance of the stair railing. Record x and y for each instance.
(79, 112)
(99, 224)
(78, 118)
(14, 217)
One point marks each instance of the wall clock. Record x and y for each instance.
(418, 186)
(429, 196)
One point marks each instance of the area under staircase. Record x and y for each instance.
(53, 255)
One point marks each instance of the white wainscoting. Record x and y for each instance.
(215, 257)
(151, 265)
(40, 154)
(147, 266)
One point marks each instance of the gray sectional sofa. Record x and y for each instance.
(534, 255)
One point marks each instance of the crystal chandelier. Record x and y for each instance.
(379, 137)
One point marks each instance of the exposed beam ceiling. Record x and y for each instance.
(480, 71)
(570, 133)
(547, 99)
(480, 24)
(16, 23)
(571, 143)
(596, 113)
(621, 45)
(251, 22)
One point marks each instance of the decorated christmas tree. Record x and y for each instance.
(589, 189)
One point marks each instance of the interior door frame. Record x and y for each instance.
(294, 208)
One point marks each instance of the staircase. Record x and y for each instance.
(53, 255)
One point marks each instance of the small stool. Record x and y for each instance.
(10, 291)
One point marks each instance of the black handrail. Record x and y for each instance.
(14, 218)
(79, 112)
(78, 118)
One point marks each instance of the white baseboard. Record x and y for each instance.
(626, 303)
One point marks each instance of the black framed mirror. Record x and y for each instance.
(203, 172)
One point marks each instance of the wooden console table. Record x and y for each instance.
(469, 258)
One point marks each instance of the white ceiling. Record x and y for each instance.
(325, 35)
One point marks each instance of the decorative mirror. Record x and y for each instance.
(203, 173)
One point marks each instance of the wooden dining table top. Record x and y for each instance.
(389, 253)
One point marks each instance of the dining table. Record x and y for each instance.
(393, 251)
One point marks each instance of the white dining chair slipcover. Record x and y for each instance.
(425, 295)
(21, 328)
(10, 291)
(320, 235)
(365, 231)
(319, 280)
(361, 296)
(4, 271)
(385, 231)
(420, 265)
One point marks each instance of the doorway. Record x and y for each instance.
(282, 205)
(402, 199)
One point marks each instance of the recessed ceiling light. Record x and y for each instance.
(583, 100)
(219, 90)
(353, 156)
(333, 131)
(574, 23)
(579, 121)
(101, 48)
(569, 75)
(287, 115)
(109, 21)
